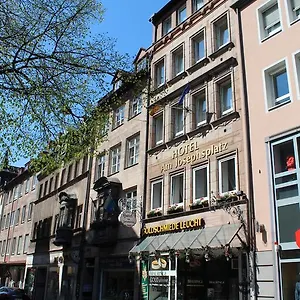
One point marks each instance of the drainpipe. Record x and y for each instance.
(250, 201)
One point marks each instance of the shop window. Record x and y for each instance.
(198, 47)
(277, 85)
(269, 19)
(133, 148)
(115, 157)
(200, 183)
(159, 75)
(177, 61)
(181, 14)
(158, 125)
(290, 276)
(221, 32)
(177, 119)
(166, 26)
(101, 166)
(26, 243)
(118, 116)
(227, 175)
(177, 189)
(197, 4)
(17, 216)
(225, 96)
(156, 194)
(135, 106)
(199, 103)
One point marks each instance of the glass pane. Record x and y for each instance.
(166, 26)
(289, 222)
(200, 103)
(271, 16)
(285, 179)
(284, 157)
(281, 84)
(228, 175)
(158, 123)
(287, 192)
(177, 189)
(290, 280)
(198, 48)
(178, 120)
(200, 183)
(226, 97)
(157, 193)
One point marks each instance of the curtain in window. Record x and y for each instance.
(177, 189)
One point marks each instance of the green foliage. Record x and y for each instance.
(53, 71)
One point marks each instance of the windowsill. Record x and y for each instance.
(177, 78)
(114, 128)
(160, 88)
(279, 105)
(203, 62)
(295, 21)
(132, 117)
(128, 167)
(221, 50)
(111, 174)
(271, 35)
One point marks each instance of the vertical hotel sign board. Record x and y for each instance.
(144, 280)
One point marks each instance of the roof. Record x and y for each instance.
(163, 11)
(240, 4)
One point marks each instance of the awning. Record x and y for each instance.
(213, 237)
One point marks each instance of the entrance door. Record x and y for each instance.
(39, 284)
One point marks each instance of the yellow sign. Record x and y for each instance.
(174, 226)
(191, 152)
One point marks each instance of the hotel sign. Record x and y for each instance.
(190, 153)
(174, 226)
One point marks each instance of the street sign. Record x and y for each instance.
(127, 218)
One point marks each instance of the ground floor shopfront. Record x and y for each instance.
(12, 275)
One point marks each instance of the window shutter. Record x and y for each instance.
(271, 16)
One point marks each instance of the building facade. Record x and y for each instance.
(196, 231)
(269, 31)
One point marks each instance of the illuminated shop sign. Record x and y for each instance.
(174, 226)
(190, 153)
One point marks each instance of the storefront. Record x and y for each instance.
(196, 262)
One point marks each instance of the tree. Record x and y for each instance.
(53, 70)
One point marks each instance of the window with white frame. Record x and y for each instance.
(135, 106)
(277, 85)
(200, 183)
(159, 76)
(118, 116)
(101, 165)
(177, 120)
(177, 189)
(297, 65)
(221, 32)
(269, 19)
(115, 157)
(158, 126)
(181, 14)
(166, 26)
(178, 61)
(199, 103)
(197, 4)
(131, 199)
(227, 175)
(198, 47)
(133, 147)
(156, 194)
(225, 96)
(293, 9)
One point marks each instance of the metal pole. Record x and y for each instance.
(80, 270)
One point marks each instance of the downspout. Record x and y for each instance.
(250, 201)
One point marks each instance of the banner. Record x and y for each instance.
(144, 280)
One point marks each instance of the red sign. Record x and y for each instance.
(297, 237)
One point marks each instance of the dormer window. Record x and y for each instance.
(181, 14)
(118, 84)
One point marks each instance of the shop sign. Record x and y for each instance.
(116, 263)
(190, 153)
(174, 226)
(127, 218)
(159, 280)
(144, 280)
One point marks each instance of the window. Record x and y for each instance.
(7, 220)
(26, 243)
(79, 216)
(166, 26)
(118, 118)
(197, 4)
(55, 224)
(15, 193)
(3, 248)
(199, 102)
(181, 14)
(221, 33)
(20, 245)
(41, 190)
(12, 219)
(269, 19)
(45, 188)
(17, 217)
(177, 120)
(198, 47)
(200, 183)
(142, 64)
(23, 214)
(177, 189)
(158, 123)
(225, 96)
(34, 181)
(276, 84)
(13, 246)
(156, 194)
(63, 177)
(56, 181)
(297, 65)
(159, 76)
(133, 146)
(70, 172)
(8, 247)
(84, 163)
(51, 185)
(131, 200)
(76, 168)
(294, 9)
(27, 185)
(115, 157)
(178, 63)
(135, 106)
(101, 166)
(3, 222)
(30, 209)
(227, 175)
(20, 190)
(117, 84)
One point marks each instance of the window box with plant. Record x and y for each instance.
(156, 212)
(175, 208)
(200, 203)
(228, 197)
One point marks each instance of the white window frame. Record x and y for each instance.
(136, 105)
(175, 108)
(177, 54)
(222, 160)
(162, 192)
(292, 11)
(171, 189)
(115, 153)
(166, 30)
(194, 181)
(195, 96)
(101, 161)
(131, 199)
(160, 65)
(195, 40)
(119, 116)
(178, 14)
(296, 62)
(197, 4)
(263, 35)
(216, 31)
(158, 142)
(269, 88)
(220, 84)
(133, 143)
